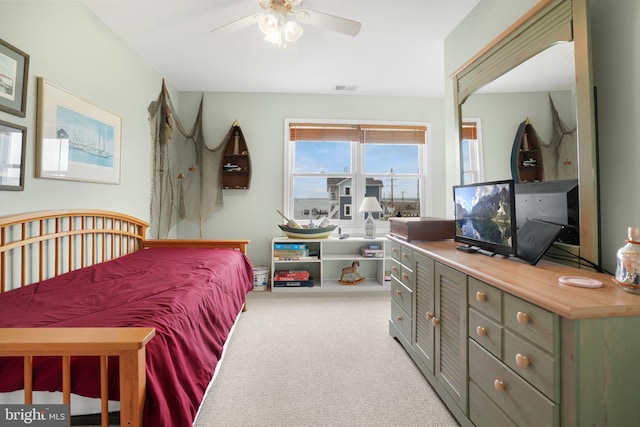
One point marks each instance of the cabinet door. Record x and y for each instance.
(424, 336)
(451, 332)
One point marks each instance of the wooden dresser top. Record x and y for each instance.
(537, 284)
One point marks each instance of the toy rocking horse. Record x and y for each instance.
(352, 274)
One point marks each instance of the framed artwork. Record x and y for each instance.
(76, 140)
(14, 76)
(13, 145)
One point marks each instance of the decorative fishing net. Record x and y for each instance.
(185, 181)
(560, 130)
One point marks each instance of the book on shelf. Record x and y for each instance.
(289, 246)
(295, 258)
(290, 275)
(293, 283)
(282, 253)
(387, 276)
(371, 253)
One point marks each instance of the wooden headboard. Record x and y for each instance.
(39, 245)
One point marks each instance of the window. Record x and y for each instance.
(331, 167)
(470, 152)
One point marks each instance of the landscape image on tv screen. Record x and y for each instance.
(483, 213)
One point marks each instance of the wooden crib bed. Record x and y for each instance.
(88, 306)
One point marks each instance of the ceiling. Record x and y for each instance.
(398, 52)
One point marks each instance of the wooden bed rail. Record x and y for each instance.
(127, 343)
(240, 245)
(40, 245)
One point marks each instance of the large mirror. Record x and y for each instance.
(540, 92)
(537, 74)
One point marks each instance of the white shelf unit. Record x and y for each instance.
(333, 255)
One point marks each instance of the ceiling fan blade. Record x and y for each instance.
(238, 24)
(331, 22)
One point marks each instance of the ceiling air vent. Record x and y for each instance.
(344, 88)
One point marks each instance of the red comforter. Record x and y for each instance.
(191, 297)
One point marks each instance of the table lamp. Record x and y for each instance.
(369, 204)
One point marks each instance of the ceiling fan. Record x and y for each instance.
(279, 21)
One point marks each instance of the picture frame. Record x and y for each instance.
(76, 140)
(13, 147)
(14, 77)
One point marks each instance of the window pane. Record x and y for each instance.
(317, 197)
(400, 196)
(464, 153)
(382, 158)
(468, 178)
(321, 157)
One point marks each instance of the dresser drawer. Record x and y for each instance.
(485, 332)
(532, 322)
(532, 363)
(485, 298)
(406, 257)
(483, 412)
(406, 276)
(395, 251)
(518, 399)
(401, 319)
(401, 294)
(396, 268)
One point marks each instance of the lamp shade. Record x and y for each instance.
(370, 204)
(292, 31)
(268, 24)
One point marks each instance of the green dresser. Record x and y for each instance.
(503, 343)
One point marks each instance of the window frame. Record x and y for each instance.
(475, 155)
(357, 175)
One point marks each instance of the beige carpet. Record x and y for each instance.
(319, 359)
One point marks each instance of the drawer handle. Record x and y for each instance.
(481, 297)
(394, 269)
(499, 385)
(405, 276)
(482, 332)
(522, 361)
(522, 318)
(398, 318)
(394, 250)
(398, 292)
(405, 255)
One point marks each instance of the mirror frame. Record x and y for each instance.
(517, 44)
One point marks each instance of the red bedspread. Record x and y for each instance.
(191, 297)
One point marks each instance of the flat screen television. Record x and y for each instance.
(485, 217)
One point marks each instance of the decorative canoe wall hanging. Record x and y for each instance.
(526, 155)
(236, 163)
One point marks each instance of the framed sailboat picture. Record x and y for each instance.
(14, 76)
(76, 140)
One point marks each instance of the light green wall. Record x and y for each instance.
(251, 213)
(615, 42)
(72, 49)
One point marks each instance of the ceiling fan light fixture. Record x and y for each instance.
(268, 24)
(292, 31)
